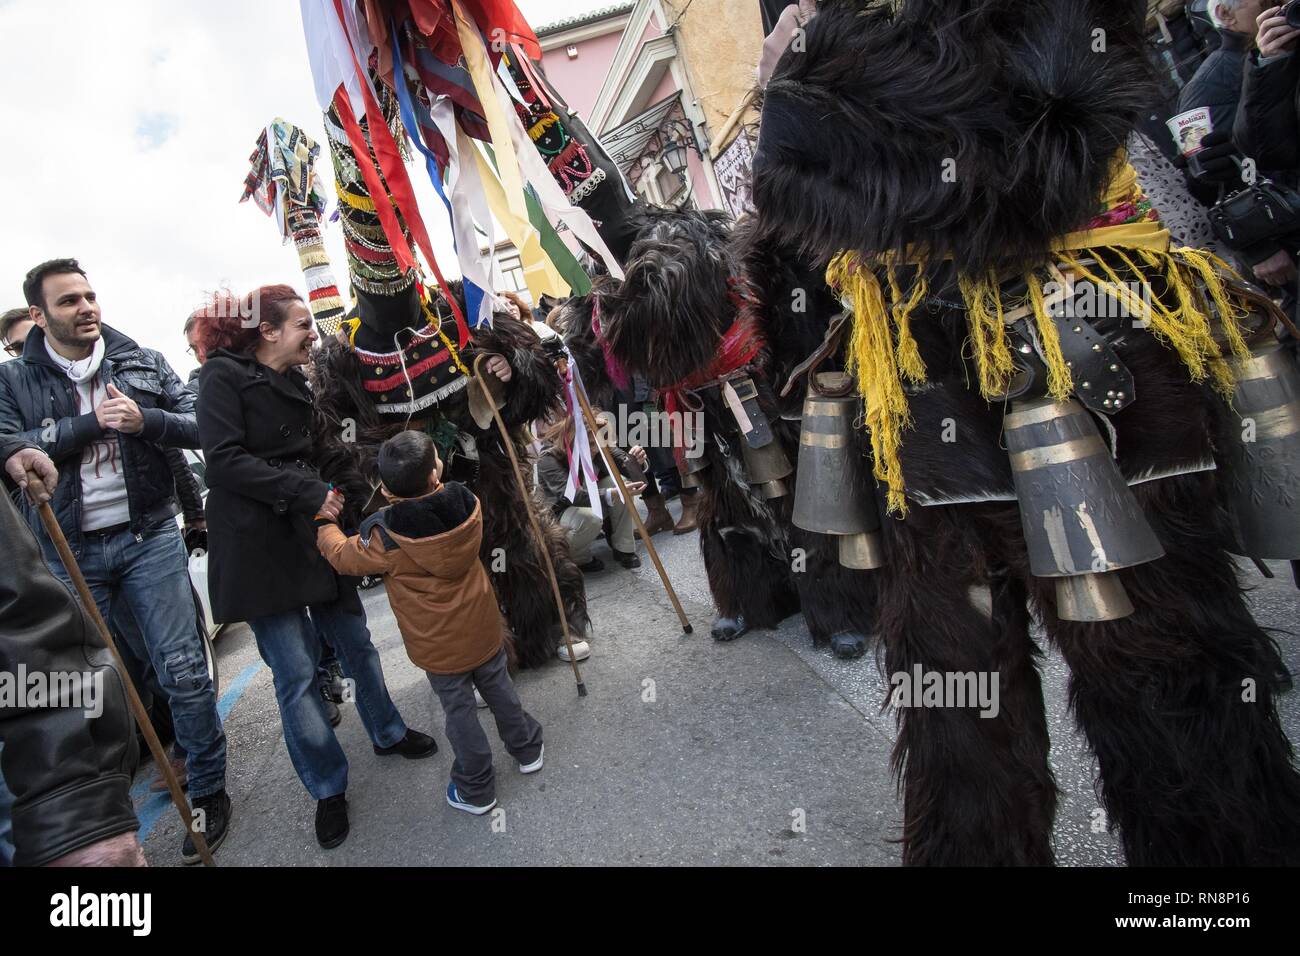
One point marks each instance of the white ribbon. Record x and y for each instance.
(330, 52)
(580, 450)
(464, 190)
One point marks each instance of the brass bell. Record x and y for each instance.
(1262, 452)
(691, 465)
(1081, 520)
(833, 492)
(862, 552)
(765, 467)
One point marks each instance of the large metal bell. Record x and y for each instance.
(833, 493)
(1081, 520)
(1263, 455)
(766, 467)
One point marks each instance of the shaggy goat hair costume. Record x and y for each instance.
(942, 161)
(682, 320)
(404, 365)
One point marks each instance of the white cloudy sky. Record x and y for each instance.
(124, 141)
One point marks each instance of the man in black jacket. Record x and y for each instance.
(104, 409)
(1216, 84)
(69, 775)
(1267, 124)
(15, 325)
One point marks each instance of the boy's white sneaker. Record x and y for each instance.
(581, 650)
(536, 765)
(454, 799)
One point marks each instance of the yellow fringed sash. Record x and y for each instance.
(882, 352)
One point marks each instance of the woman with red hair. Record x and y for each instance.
(254, 413)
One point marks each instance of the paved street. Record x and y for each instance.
(685, 751)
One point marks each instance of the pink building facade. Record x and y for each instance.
(623, 71)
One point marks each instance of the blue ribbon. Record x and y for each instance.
(473, 294)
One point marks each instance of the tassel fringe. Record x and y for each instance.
(882, 352)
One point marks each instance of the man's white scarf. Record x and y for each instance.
(80, 370)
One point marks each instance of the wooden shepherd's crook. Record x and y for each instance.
(36, 490)
(532, 518)
(631, 507)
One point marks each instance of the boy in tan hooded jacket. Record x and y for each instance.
(426, 545)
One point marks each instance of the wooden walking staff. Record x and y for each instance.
(631, 506)
(479, 374)
(36, 490)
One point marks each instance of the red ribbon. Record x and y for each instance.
(399, 183)
(740, 345)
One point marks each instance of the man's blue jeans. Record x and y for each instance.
(290, 647)
(6, 822)
(151, 576)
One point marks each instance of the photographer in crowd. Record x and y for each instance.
(1267, 126)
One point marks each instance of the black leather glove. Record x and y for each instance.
(1216, 162)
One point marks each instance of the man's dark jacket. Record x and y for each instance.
(1217, 82)
(38, 409)
(1268, 122)
(70, 775)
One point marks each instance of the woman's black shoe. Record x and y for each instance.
(413, 746)
(332, 821)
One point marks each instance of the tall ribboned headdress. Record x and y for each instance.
(282, 183)
(448, 64)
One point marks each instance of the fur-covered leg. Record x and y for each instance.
(838, 603)
(748, 578)
(1178, 701)
(516, 567)
(974, 792)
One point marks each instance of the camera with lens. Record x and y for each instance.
(1291, 10)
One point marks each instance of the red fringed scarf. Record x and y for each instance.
(739, 347)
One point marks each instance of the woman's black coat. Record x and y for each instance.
(255, 427)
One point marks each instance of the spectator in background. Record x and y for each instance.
(193, 346)
(1216, 84)
(1267, 126)
(14, 326)
(575, 514)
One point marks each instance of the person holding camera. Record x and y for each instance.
(1267, 127)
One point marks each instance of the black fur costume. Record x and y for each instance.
(518, 572)
(664, 322)
(353, 420)
(856, 129)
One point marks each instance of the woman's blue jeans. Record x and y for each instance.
(290, 647)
